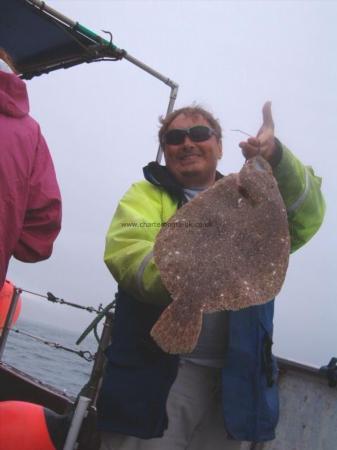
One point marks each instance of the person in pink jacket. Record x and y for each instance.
(30, 200)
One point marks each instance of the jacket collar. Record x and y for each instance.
(160, 176)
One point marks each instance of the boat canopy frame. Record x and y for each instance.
(41, 40)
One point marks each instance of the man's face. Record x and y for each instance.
(193, 164)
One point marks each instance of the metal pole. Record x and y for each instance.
(89, 393)
(91, 389)
(43, 7)
(76, 423)
(149, 70)
(9, 318)
(173, 85)
(173, 96)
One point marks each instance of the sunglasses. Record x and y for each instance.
(199, 133)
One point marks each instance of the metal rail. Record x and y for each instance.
(8, 321)
(50, 297)
(88, 396)
(41, 5)
(85, 354)
(80, 414)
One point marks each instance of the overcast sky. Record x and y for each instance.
(101, 123)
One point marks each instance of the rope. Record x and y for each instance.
(101, 313)
(52, 298)
(93, 325)
(87, 355)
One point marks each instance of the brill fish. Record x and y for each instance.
(226, 249)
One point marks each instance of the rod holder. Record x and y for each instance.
(76, 423)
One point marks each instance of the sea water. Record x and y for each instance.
(64, 370)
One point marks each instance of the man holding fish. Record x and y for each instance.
(223, 390)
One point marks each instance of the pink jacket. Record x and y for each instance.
(30, 200)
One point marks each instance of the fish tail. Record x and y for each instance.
(177, 331)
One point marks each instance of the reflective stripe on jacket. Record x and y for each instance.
(145, 207)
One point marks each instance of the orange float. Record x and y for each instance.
(23, 426)
(6, 294)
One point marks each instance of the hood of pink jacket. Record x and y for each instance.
(13, 95)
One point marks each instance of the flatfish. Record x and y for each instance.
(226, 249)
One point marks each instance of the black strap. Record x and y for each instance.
(268, 360)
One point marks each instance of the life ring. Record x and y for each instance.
(28, 426)
(6, 294)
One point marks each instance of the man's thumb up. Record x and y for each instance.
(267, 116)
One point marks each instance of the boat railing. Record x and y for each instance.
(7, 328)
(299, 384)
(87, 397)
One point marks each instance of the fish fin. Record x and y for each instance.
(177, 331)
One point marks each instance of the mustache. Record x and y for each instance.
(189, 152)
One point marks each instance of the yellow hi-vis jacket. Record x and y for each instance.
(146, 207)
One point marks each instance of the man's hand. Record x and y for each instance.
(264, 143)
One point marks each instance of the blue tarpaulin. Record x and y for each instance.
(39, 42)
